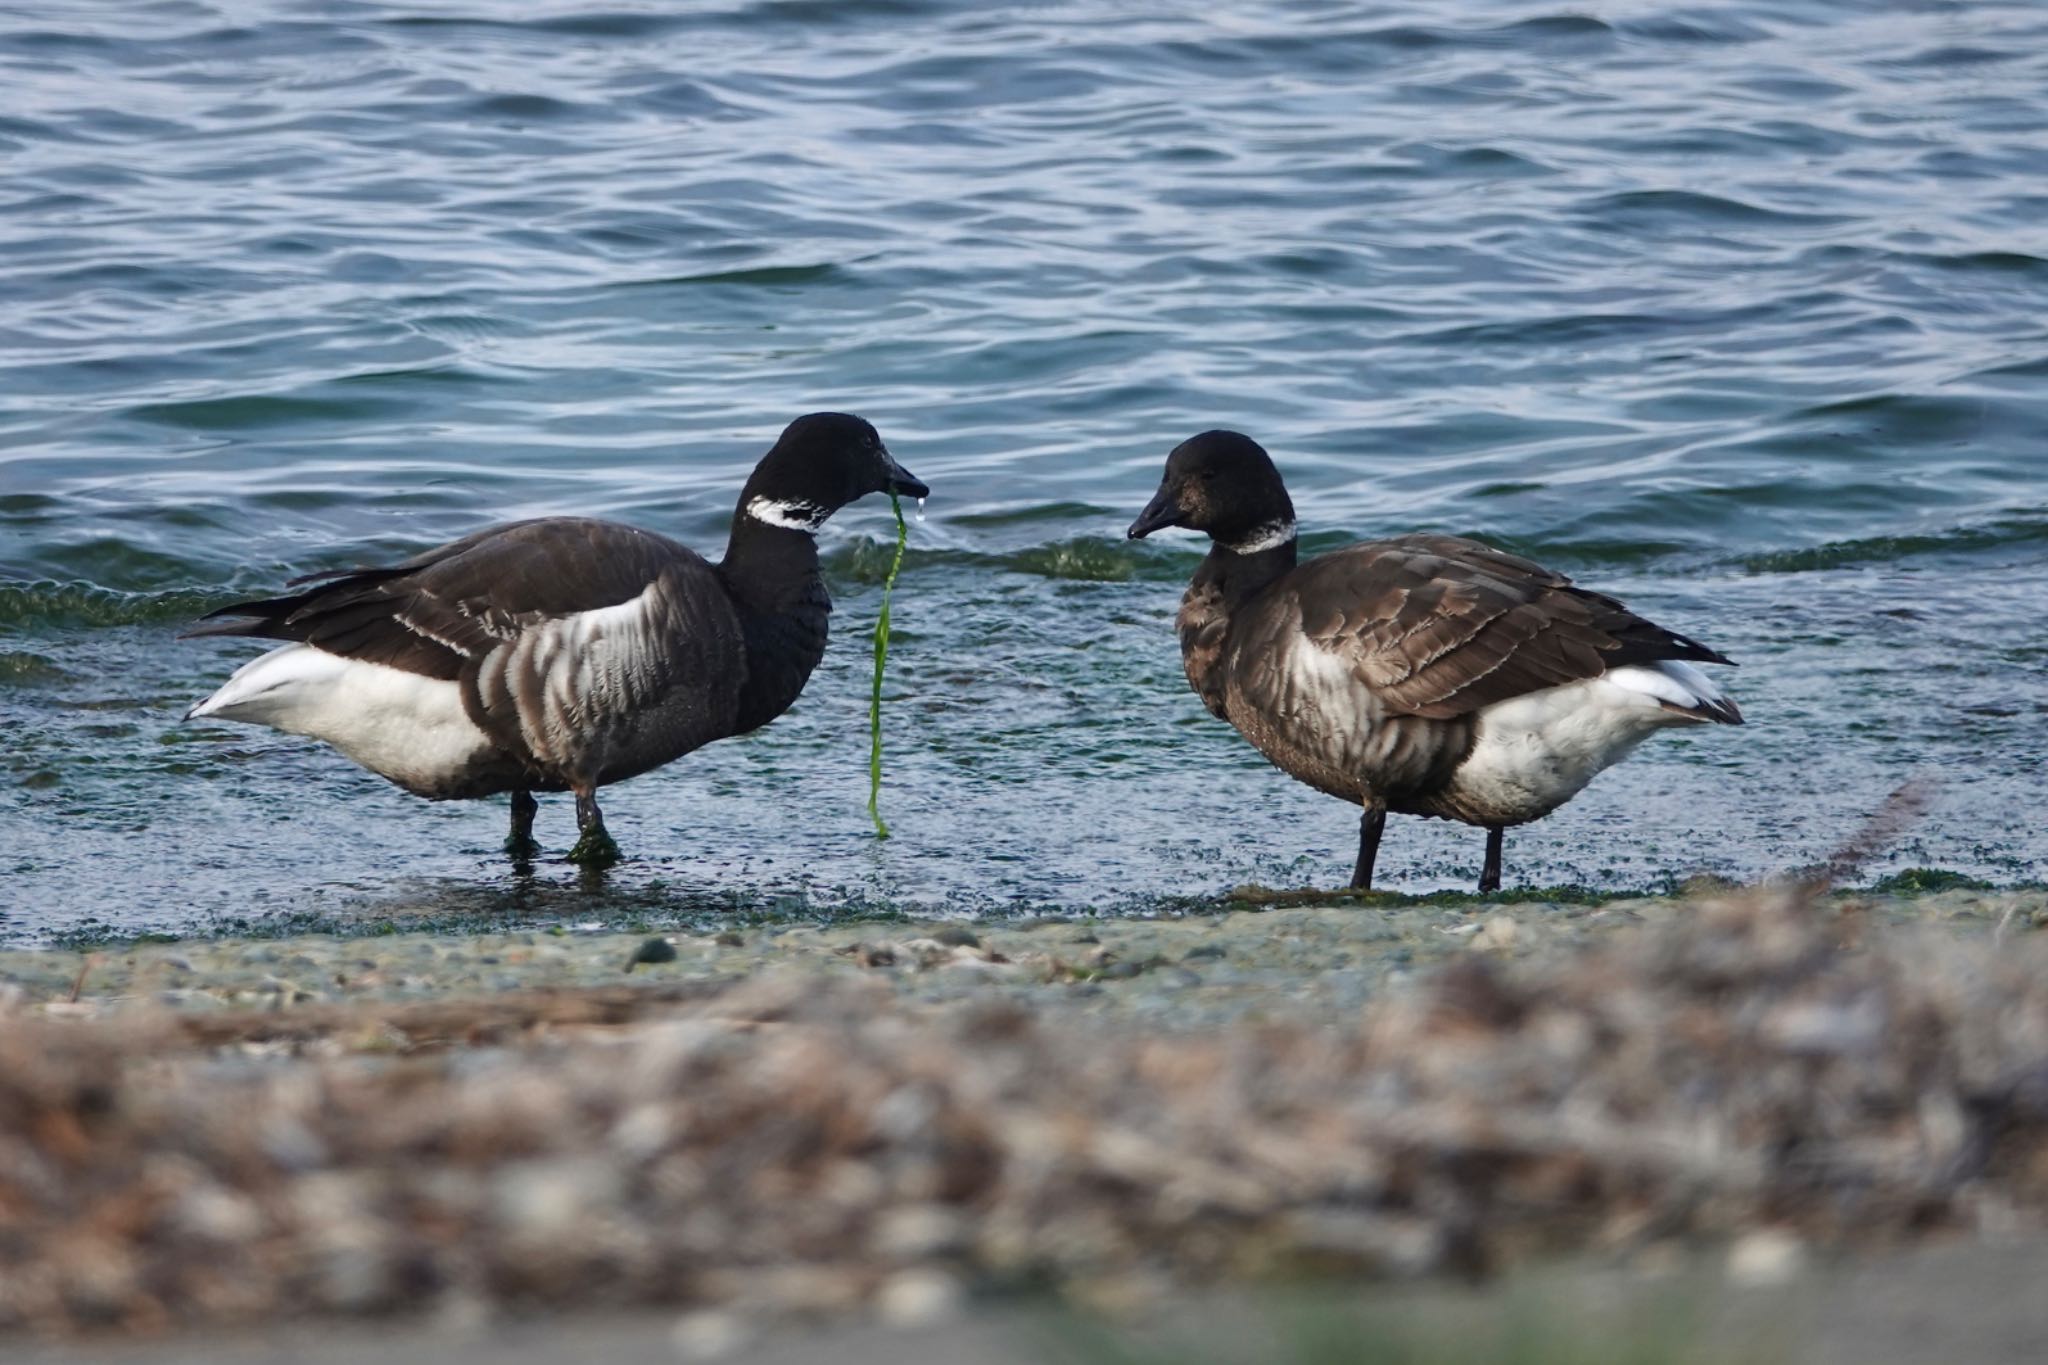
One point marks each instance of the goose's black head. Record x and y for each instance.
(820, 463)
(1223, 483)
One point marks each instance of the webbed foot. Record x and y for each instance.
(595, 849)
(520, 843)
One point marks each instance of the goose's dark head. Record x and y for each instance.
(820, 463)
(1223, 483)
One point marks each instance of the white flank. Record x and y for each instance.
(1270, 536)
(410, 729)
(790, 516)
(1535, 752)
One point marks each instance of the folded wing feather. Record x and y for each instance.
(1440, 626)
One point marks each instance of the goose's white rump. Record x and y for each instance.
(1535, 752)
(410, 729)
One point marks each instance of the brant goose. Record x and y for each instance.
(1424, 675)
(563, 653)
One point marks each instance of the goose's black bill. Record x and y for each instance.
(903, 483)
(1160, 513)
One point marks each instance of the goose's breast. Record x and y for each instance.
(1306, 709)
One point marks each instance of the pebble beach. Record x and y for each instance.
(890, 1121)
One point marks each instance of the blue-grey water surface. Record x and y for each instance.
(1738, 310)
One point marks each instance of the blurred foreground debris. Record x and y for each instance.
(1763, 1065)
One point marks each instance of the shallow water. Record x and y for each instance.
(1734, 310)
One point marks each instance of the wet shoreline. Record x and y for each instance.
(1321, 949)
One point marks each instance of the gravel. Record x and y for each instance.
(871, 1120)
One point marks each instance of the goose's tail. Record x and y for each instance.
(1679, 687)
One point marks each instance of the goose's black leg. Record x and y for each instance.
(519, 843)
(594, 847)
(1370, 826)
(1489, 876)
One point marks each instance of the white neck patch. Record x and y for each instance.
(1271, 536)
(790, 515)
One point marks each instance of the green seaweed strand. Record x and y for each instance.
(881, 657)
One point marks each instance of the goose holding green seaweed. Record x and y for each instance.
(564, 653)
(1424, 675)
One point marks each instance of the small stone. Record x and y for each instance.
(543, 1198)
(1203, 952)
(654, 950)
(1769, 1256)
(292, 1145)
(957, 936)
(353, 1278)
(918, 1298)
(967, 963)
(916, 1232)
(926, 953)
(1497, 934)
(214, 1214)
(728, 939)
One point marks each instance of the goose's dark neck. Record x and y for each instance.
(769, 568)
(1237, 578)
(771, 574)
(1224, 583)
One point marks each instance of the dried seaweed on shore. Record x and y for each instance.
(787, 1145)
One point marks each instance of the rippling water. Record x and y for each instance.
(1738, 310)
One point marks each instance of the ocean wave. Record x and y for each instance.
(24, 668)
(2003, 533)
(1682, 208)
(50, 603)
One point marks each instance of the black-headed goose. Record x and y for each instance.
(563, 653)
(1424, 675)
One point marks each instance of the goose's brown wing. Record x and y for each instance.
(433, 613)
(1440, 626)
